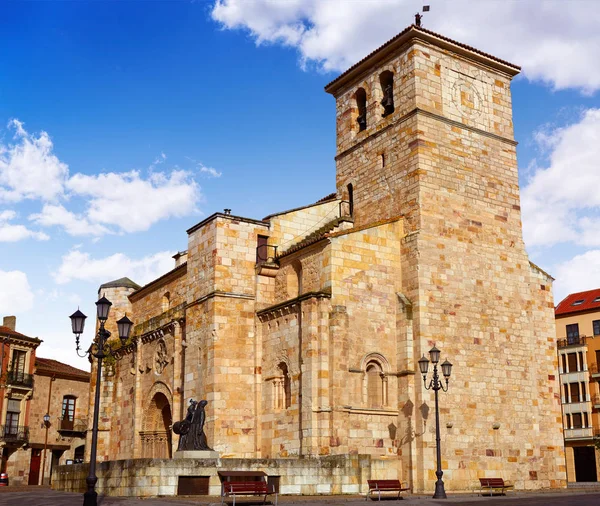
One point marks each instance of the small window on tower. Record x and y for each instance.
(351, 199)
(361, 105)
(261, 249)
(386, 79)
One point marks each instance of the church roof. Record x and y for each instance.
(50, 367)
(406, 34)
(578, 302)
(7, 331)
(120, 283)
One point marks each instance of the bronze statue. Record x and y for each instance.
(418, 18)
(191, 429)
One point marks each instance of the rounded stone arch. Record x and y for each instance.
(378, 358)
(375, 368)
(156, 434)
(160, 387)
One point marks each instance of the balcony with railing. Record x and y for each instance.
(14, 434)
(74, 426)
(19, 379)
(579, 433)
(594, 370)
(571, 341)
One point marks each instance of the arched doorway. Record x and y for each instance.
(156, 436)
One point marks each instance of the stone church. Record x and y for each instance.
(303, 329)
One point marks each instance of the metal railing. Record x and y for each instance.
(596, 399)
(265, 252)
(14, 433)
(75, 425)
(594, 368)
(571, 341)
(19, 378)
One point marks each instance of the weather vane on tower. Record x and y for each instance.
(419, 17)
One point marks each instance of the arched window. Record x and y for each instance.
(351, 199)
(374, 385)
(166, 301)
(294, 280)
(361, 105)
(282, 388)
(386, 80)
(286, 389)
(68, 412)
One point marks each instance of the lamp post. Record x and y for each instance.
(436, 384)
(99, 349)
(46, 425)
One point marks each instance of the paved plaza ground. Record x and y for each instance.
(41, 496)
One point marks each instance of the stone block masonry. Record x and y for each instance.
(309, 361)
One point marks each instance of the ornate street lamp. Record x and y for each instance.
(99, 349)
(436, 384)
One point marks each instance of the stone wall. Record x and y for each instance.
(446, 160)
(62, 441)
(152, 477)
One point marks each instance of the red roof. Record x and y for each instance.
(48, 366)
(590, 300)
(13, 333)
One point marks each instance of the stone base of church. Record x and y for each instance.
(196, 454)
(340, 474)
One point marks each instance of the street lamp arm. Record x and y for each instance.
(442, 386)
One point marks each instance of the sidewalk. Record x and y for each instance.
(42, 496)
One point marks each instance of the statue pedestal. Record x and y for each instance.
(196, 454)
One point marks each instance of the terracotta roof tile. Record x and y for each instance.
(423, 30)
(590, 300)
(9, 332)
(50, 366)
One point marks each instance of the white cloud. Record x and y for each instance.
(28, 167)
(554, 41)
(74, 224)
(132, 203)
(79, 265)
(209, 171)
(578, 274)
(15, 293)
(14, 233)
(561, 202)
(115, 202)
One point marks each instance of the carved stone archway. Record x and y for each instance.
(156, 434)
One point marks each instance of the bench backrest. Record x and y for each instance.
(383, 484)
(249, 487)
(491, 482)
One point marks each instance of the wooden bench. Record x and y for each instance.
(235, 488)
(491, 484)
(385, 486)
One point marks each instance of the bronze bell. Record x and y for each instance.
(362, 119)
(388, 101)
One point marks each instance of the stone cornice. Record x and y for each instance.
(228, 217)
(289, 306)
(430, 114)
(220, 293)
(153, 335)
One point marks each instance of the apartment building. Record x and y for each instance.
(578, 342)
(43, 409)
(17, 363)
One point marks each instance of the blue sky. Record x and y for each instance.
(122, 124)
